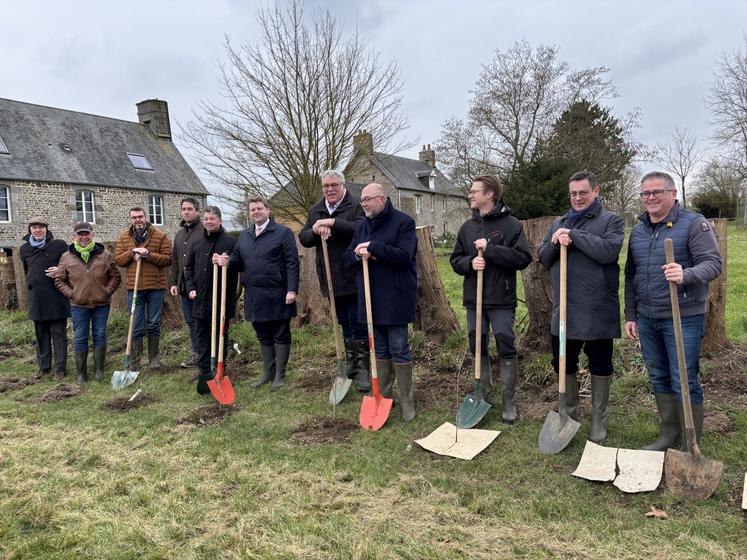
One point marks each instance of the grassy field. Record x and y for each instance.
(170, 480)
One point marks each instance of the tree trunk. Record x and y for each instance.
(715, 337)
(435, 317)
(312, 306)
(537, 290)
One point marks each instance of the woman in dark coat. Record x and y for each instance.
(48, 308)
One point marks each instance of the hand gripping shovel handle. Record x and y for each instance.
(333, 308)
(690, 438)
(128, 349)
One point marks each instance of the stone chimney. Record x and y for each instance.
(427, 155)
(154, 113)
(363, 143)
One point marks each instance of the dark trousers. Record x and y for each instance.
(502, 323)
(49, 335)
(203, 328)
(187, 310)
(347, 316)
(270, 333)
(599, 353)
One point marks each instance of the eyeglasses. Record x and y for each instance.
(367, 199)
(580, 194)
(474, 191)
(655, 194)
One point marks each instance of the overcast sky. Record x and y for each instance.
(103, 57)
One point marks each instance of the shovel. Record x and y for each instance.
(688, 473)
(125, 377)
(220, 385)
(341, 383)
(475, 407)
(374, 409)
(559, 428)
(202, 386)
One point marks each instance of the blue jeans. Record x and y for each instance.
(147, 321)
(660, 354)
(391, 343)
(84, 320)
(187, 310)
(347, 316)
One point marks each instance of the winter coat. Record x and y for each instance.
(155, 267)
(392, 269)
(270, 269)
(593, 274)
(695, 248)
(347, 217)
(46, 303)
(88, 285)
(507, 251)
(183, 239)
(198, 273)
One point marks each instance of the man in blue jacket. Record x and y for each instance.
(386, 238)
(648, 312)
(593, 237)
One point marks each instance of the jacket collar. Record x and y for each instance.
(213, 235)
(98, 248)
(187, 225)
(674, 213)
(499, 210)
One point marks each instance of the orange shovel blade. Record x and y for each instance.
(221, 388)
(374, 412)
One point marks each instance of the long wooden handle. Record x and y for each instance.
(214, 318)
(478, 319)
(223, 291)
(369, 319)
(563, 317)
(690, 438)
(132, 310)
(333, 308)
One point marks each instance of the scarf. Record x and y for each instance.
(37, 244)
(85, 252)
(573, 216)
(140, 235)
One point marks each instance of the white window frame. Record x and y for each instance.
(418, 203)
(444, 203)
(82, 215)
(152, 199)
(433, 202)
(7, 204)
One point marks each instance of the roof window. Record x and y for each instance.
(3, 147)
(139, 161)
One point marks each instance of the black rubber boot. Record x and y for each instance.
(600, 395)
(282, 353)
(403, 373)
(509, 372)
(697, 421)
(670, 430)
(571, 396)
(81, 363)
(154, 361)
(135, 352)
(99, 359)
(268, 363)
(385, 373)
(350, 366)
(362, 365)
(486, 379)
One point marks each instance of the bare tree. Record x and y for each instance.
(291, 105)
(680, 156)
(464, 153)
(621, 196)
(728, 103)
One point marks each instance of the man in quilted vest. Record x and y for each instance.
(143, 241)
(648, 312)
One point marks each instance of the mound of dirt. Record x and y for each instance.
(60, 392)
(718, 422)
(727, 382)
(207, 415)
(315, 379)
(16, 383)
(123, 403)
(324, 430)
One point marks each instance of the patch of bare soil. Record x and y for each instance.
(314, 379)
(324, 430)
(16, 383)
(207, 415)
(125, 403)
(727, 381)
(534, 402)
(10, 353)
(718, 422)
(60, 392)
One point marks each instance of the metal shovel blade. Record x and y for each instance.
(221, 388)
(341, 384)
(123, 378)
(473, 409)
(557, 432)
(375, 409)
(690, 475)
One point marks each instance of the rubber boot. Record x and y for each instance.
(350, 367)
(190, 362)
(571, 396)
(600, 396)
(135, 353)
(154, 361)
(670, 429)
(81, 363)
(509, 372)
(268, 362)
(362, 365)
(282, 353)
(486, 379)
(697, 421)
(99, 359)
(403, 373)
(385, 372)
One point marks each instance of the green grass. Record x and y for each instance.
(79, 481)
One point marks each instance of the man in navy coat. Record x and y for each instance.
(386, 238)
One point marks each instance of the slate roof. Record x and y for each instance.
(36, 137)
(412, 174)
